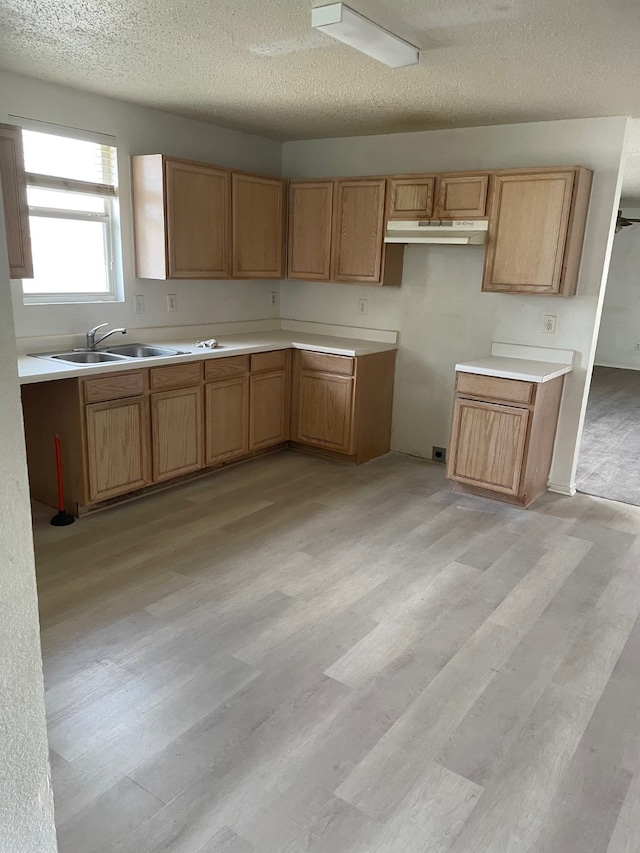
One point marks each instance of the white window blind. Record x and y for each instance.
(72, 195)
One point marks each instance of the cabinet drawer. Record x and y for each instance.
(175, 376)
(265, 362)
(226, 368)
(114, 386)
(495, 388)
(326, 363)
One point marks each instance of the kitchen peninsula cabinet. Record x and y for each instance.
(537, 221)
(502, 436)
(14, 195)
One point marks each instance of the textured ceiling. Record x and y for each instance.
(256, 65)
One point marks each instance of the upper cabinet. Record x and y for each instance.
(461, 196)
(336, 232)
(310, 209)
(411, 198)
(14, 194)
(198, 221)
(536, 230)
(258, 226)
(181, 217)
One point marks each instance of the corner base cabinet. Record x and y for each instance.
(502, 436)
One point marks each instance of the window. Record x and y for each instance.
(73, 216)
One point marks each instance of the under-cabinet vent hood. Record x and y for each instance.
(462, 232)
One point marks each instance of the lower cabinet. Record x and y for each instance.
(226, 406)
(176, 432)
(269, 399)
(343, 405)
(502, 436)
(123, 431)
(117, 446)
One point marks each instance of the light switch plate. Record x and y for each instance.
(138, 301)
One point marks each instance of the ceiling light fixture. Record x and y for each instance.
(342, 23)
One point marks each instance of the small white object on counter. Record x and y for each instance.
(517, 361)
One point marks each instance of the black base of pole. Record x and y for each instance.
(62, 519)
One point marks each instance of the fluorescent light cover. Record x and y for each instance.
(342, 23)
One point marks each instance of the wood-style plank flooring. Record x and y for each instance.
(609, 463)
(299, 655)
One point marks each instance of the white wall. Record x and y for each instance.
(26, 804)
(439, 310)
(142, 131)
(620, 326)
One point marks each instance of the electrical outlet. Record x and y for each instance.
(363, 306)
(138, 302)
(549, 324)
(273, 298)
(172, 302)
(439, 454)
(638, 346)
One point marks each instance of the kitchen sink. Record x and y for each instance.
(142, 351)
(86, 357)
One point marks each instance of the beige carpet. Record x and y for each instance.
(609, 464)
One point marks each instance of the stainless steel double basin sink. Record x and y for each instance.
(124, 352)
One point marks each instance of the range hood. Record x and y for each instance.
(462, 232)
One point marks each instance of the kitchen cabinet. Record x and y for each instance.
(461, 196)
(226, 408)
(117, 446)
(310, 217)
(182, 218)
(258, 206)
(457, 195)
(342, 405)
(537, 221)
(411, 197)
(176, 432)
(502, 436)
(14, 196)
(269, 399)
(176, 419)
(336, 233)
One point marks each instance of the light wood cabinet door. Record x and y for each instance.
(268, 409)
(14, 195)
(226, 419)
(309, 244)
(461, 196)
(411, 198)
(528, 229)
(358, 230)
(488, 443)
(176, 432)
(198, 220)
(117, 446)
(324, 406)
(258, 206)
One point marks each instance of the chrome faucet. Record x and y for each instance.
(92, 343)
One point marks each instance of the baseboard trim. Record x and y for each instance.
(558, 489)
(618, 366)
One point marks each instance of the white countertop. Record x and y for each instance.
(31, 369)
(525, 369)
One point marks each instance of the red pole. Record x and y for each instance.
(59, 470)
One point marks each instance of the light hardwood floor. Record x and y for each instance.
(299, 655)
